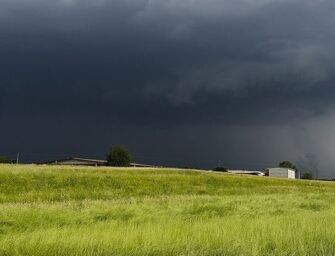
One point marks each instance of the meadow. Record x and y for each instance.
(53, 210)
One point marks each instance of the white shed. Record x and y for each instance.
(281, 172)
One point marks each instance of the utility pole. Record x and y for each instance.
(17, 157)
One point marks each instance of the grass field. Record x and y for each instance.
(102, 211)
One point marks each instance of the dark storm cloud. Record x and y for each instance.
(230, 65)
(176, 55)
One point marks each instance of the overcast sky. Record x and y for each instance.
(188, 83)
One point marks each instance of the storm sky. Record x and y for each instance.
(248, 83)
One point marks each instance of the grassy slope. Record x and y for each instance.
(101, 211)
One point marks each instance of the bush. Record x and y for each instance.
(5, 160)
(307, 176)
(119, 156)
(220, 169)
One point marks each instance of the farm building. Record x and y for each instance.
(246, 172)
(88, 162)
(77, 161)
(281, 172)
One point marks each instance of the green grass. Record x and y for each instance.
(103, 211)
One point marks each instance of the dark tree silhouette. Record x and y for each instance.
(288, 164)
(119, 156)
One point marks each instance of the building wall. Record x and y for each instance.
(291, 174)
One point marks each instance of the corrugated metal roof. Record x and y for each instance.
(91, 161)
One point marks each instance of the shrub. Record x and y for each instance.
(5, 160)
(307, 176)
(220, 169)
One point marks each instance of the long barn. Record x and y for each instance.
(89, 162)
(77, 161)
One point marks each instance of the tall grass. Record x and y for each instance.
(114, 211)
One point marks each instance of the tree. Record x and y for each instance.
(288, 164)
(307, 176)
(119, 156)
(5, 160)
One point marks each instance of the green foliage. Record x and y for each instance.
(307, 176)
(220, 169)
(288, 164)
(5, 160)
(119, 156)
(67, 210)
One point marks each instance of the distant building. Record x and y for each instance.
(89, 162)
(76, 161)
(281, 172)
(246, 172)
(144, 165)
